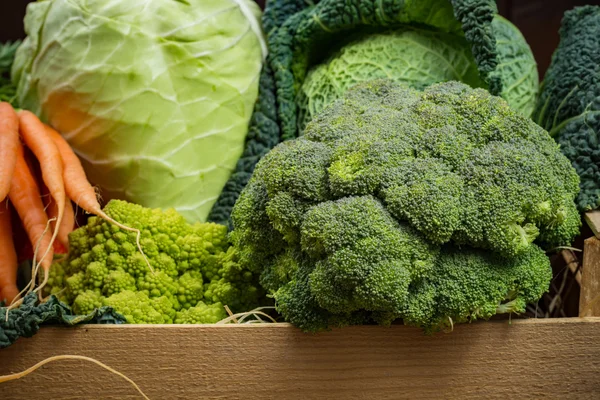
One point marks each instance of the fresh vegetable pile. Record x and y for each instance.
(427, 206)
(379, 165)
(318, 50)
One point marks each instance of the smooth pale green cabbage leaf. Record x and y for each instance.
(154, 96)
(420, 57)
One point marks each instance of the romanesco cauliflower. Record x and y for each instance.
(195, 275)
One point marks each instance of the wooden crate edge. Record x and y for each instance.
(480, 360)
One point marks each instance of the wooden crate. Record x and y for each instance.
(528, 359)
(522, 359)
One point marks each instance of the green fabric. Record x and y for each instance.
(25, 321)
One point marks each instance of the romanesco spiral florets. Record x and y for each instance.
(195, 272)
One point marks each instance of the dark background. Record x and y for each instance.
(539, 20)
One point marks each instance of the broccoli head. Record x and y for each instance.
(428, 206)
(191, 264)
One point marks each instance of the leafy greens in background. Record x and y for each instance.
(569, 103)
(7, 56)
(25, 321)
(320, 49)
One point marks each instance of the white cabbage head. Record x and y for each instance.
(154, 96)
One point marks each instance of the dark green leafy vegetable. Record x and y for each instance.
(569, 103)
(441, 40)
(25, 320)
(7, 56)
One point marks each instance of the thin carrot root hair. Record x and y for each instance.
(50, 248)
(36, 266)
(22, 374)
(68, 222)
(98, 193)
(18, 300)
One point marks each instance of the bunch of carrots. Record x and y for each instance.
(45, 209)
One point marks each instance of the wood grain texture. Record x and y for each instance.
(593, 220)
(529, 359)
(589, 300)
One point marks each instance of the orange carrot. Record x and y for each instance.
(34, 134)
(77, 186)
(61, 246)
(79, 189)
(25, 198)
(8, 257)
(67, 225)
(9, 141)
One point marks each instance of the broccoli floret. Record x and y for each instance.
(485, 190)
(157, 284)
(95, 273)
(190, 263)
(468, 284)
(118, 281)
(426, 206)
(233, 285)
(190, 289)
(74, 285)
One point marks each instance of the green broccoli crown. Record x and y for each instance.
(104, 266)
(362, 218)
(569, 104)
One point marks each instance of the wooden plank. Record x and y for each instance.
(593, 220)
(528, 359)
(572, 264)
(589, 300)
